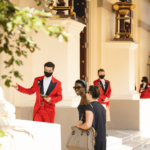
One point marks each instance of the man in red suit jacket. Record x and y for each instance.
(105, 90)
(48, 92)
(145, 88)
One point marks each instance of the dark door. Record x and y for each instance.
(79, 9)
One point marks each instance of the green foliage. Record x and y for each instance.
(47, 2)
(2, 134)
(14, 24)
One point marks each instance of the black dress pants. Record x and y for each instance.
(100, 145)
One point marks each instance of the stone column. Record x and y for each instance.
(65, 56)
(120, 69)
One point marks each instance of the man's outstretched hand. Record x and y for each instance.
(15, 86)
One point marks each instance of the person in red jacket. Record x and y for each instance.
(145, 88)
(48, 92)
(105, 90)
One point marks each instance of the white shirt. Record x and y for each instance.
(144, 85)
(46, 82)
(103, 82)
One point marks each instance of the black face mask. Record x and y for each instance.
(47, 74)
(102, 76)
(142, 80)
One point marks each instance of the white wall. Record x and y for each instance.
(23, 135)
(145, 11)
(144, 51)
(141, 37)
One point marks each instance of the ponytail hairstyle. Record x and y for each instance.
(94, 91)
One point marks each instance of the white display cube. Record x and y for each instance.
(31, 135)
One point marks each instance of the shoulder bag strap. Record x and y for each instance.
(81, 117)
(91, 106)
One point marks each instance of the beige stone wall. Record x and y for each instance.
(144, 51)
(101, 28)
(64, 55)
(141, 36)
(145, 10)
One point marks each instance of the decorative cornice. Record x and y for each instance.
(68, 23)
(105, 4)
(79, 19)
(144, 25)
(122, 45)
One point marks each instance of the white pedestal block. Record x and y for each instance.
(130, 115)
(119, 64)
(29, 135)
(65, 56)
(7, 111)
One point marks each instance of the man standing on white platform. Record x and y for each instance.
(105, 90)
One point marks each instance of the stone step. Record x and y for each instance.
(132, 145)
(126, 140)
(147, 148)
(117, 138)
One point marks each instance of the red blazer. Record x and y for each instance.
(146, 93)
(104, 93)
(54, 91)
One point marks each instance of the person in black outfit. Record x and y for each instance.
(95, 117)
(80, 89)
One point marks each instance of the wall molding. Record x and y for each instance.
(105, 4)
(144, 25)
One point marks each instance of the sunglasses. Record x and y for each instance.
(87, 92)
(78, 87)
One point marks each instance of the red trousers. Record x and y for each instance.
(42, 116)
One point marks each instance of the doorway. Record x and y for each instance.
(80, 10)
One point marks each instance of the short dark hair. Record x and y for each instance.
(101, 70)
(145, 79)
(49, 64)
(94, 91)
(83, 83)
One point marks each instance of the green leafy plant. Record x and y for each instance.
(2, 134)
(47, 3)
(14, 41)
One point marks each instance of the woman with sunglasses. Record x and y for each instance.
(95, 117)
(80, 89)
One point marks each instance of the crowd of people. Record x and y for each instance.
(94, 106)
